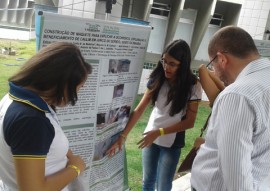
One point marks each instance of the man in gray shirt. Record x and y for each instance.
(236, 152)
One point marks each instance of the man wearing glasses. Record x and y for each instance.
(236, 152)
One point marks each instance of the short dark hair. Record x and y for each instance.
(233, 40)
(56, 68)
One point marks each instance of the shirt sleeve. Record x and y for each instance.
(149, 83)
(196, 93)
(235, 120)
(30, 137)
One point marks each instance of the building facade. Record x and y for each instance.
(192, 20)
(17, 19)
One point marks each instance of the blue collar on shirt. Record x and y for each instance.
(23, 95)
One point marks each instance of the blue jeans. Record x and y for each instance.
(159, 166)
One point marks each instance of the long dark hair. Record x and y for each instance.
(56, 68)
(180, 90)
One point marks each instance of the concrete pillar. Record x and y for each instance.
(141, 9)
(127, 8)
(55, 2)
(29, 16)
(233, 15)
(11, 16)
(204, 15)
(45, 2)
(116, 12)
(137, 9)
(20, 14)
(173, 20)
(148, 10)
(3, 5)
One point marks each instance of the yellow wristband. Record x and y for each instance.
(75, 168)
(161, 130)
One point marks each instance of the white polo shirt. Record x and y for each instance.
(160, 117)
(30, 129)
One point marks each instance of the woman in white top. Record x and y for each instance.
(35, 152)
(174, 91)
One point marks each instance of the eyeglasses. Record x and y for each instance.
(169, 65)
(210, 66)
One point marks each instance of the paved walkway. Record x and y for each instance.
(182, 183)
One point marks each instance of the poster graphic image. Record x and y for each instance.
(123, 65)
(118, 90)
(113, 63)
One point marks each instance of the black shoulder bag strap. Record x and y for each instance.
(205, 125)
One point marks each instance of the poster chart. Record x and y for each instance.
(116, 53)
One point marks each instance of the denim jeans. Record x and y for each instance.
(159, 166)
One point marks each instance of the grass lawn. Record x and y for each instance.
(25, 49)
(10, 64)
